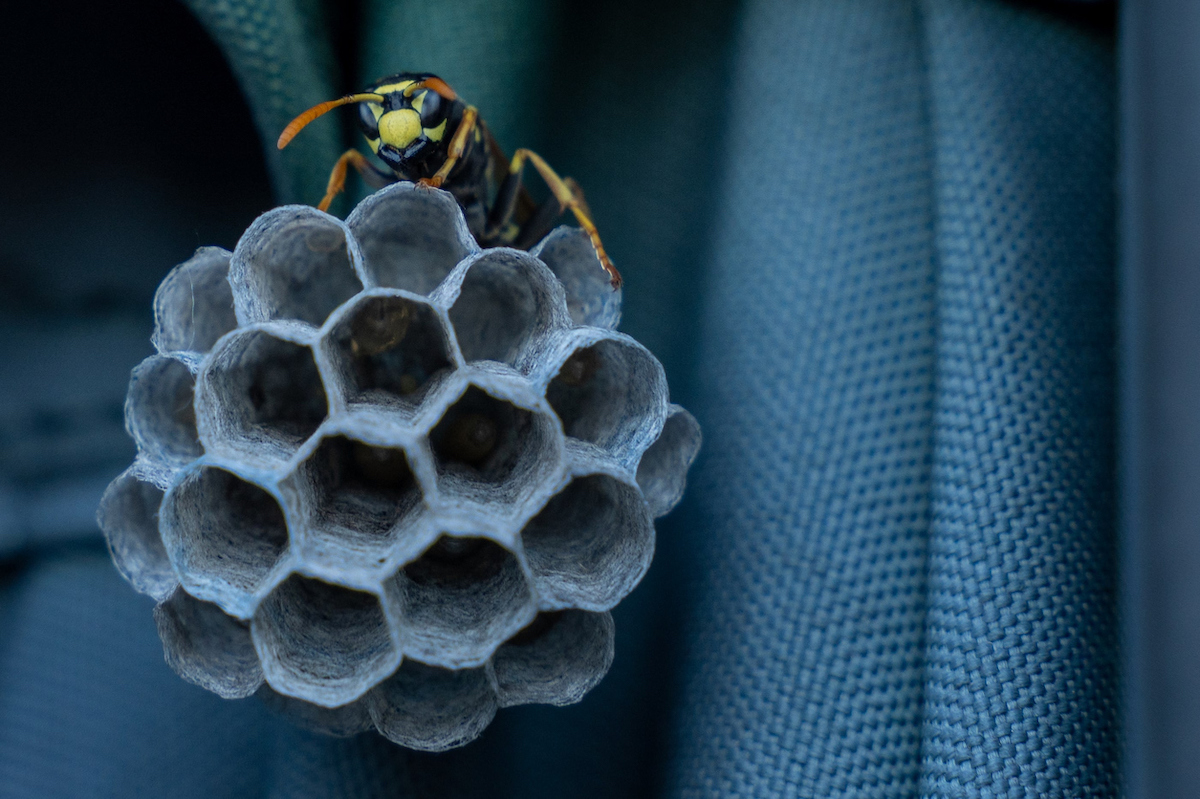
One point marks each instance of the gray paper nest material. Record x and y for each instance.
(388, 479)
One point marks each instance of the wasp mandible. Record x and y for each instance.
(423, 132)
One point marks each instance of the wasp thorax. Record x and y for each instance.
(400, 128)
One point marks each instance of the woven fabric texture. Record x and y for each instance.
(282, 62)
(819, 329)
(1022, 647)
(871, 242)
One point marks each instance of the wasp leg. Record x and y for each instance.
(375, 177)
(457, 145)
(542, 220)
(567, 194)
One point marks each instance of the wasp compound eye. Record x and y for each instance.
(368, 121)
(433, 109)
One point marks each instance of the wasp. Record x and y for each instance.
(425, 133)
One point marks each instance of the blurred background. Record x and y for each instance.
(925, 271)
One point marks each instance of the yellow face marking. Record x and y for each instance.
(374, 145)
(435, 134)
(418, 100)
(399, 128)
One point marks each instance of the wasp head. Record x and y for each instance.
(404, 118)
(407, 129)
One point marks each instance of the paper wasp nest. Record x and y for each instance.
(388, 479)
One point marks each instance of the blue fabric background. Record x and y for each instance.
(1159, 444)
(872, 243)
(1021, 652)
(803, 666)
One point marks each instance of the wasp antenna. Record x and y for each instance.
(435, 84)
(298, 124)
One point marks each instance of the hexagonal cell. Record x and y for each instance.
(611, 393)
(294, 262)
(259, 394)
(362, 497)
(128, 516)
(433, 709)
(506, 303)
(662, 472)
(590, 545)
(341, 722)
(323, 643)
(488, 450)
(207, 647)
(556, 660)
(460, 600)
(411, 237)
(159, 412)
(387, 349)
(224, 535)
(193, 306)
(591, 299)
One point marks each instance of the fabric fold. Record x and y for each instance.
(1021, 652)
(280, 52)
(803, 659)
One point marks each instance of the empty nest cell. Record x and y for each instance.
(410, 237)
(323, 643)
(611, 394)
(461, 599)
(591, 299)
(591, 544)
(489, 450)
(505, 305)
(293, 263)
(261, 394)
(555, 660)
(362, 495)
(388, 348)
(193, 306)
(128, 516)
(224, 535)
(432, 709)
(207, 647)
(159, 412)
(662, 471)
